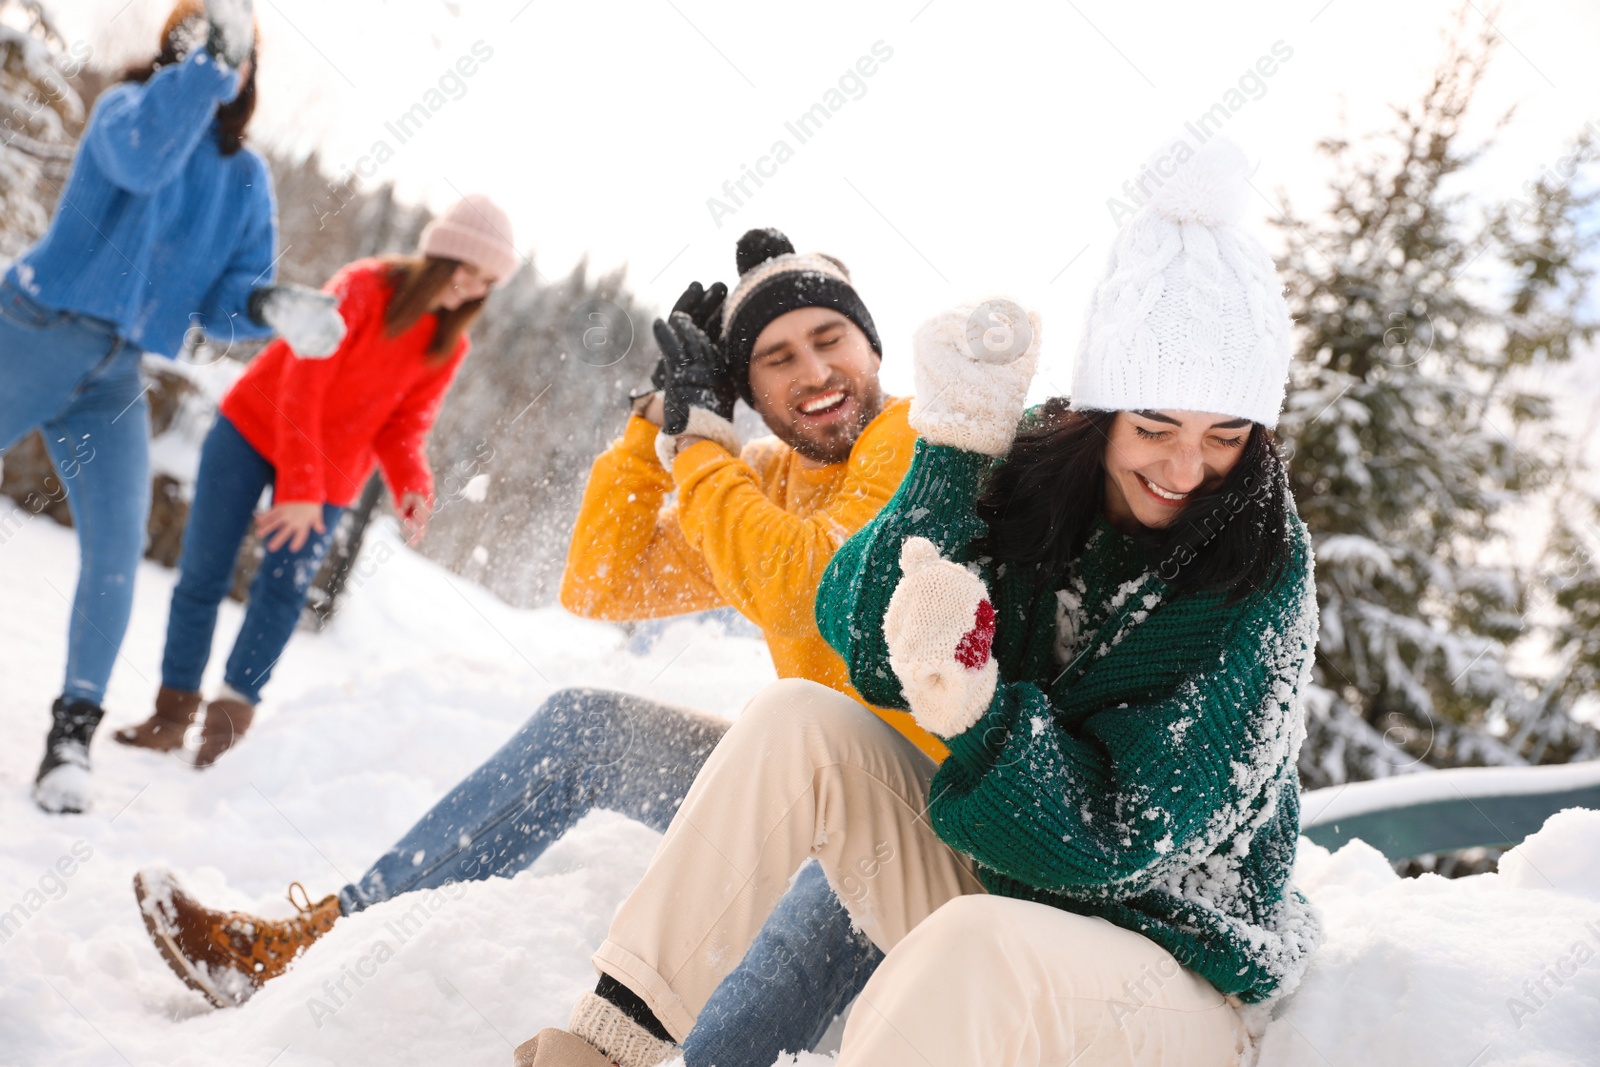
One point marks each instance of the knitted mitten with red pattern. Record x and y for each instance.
(939, 627)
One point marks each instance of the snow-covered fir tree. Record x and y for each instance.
(40, 116)
(1422, 457)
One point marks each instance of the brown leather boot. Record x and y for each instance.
(227, 719)
(163, 731)
(226, 955)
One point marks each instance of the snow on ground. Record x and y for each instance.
(422, 676)
(1495, 969)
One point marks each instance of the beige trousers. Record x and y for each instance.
(807, 771)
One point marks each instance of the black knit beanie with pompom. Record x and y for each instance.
(775, 280)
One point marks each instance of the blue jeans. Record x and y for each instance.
(74, 379)
(586, 749)
(231, 479)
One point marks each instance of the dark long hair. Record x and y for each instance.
(180, 37)
(418, 281)
(1040, 505)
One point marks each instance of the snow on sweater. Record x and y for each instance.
(157, 230)
(324, 423)
(1150, 779)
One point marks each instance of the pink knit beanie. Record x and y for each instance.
(477, 231)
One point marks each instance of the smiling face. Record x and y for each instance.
(467, 284)
(814, 377)
(1157, 461)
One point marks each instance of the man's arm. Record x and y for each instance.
(763, 560)
(628, 558)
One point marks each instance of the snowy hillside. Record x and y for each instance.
(421, 677)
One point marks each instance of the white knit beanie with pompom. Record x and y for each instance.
(1190, 315)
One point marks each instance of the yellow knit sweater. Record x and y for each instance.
(754, 531)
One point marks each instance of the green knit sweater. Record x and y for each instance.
(1138, 760)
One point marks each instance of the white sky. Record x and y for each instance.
(979, 160)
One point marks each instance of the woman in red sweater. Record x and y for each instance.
(312, 429)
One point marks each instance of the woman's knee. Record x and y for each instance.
(791, 708)
(964, 923)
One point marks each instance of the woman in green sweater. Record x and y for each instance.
(1106, 610)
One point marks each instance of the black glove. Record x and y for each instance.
(232, 36)
(704, 308)
(693, 373)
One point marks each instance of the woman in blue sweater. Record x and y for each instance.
(166, 223)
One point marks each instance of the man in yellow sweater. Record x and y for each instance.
(751, 527)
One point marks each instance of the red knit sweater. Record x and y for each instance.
(323, 423)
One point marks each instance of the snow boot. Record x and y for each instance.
(226, 955)
(62, 786)
(163, 731)
(227, 718)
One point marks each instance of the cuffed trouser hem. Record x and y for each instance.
(639, 976)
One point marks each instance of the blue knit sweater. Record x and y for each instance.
(157, 229)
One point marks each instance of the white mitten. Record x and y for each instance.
(939, 627)
(972, 367)
(308, 319)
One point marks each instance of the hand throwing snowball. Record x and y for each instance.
(973, 367)
(308, 320)
(231, 36)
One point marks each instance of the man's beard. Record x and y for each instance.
(834, 447)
